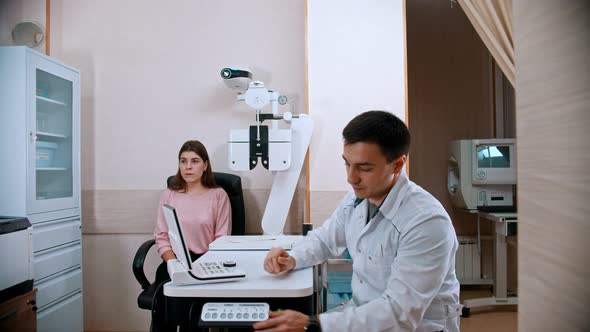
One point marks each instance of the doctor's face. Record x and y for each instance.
(191, 167)
(368, 171)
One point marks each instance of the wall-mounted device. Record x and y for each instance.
(28, 33)
(482, 174)
(270, 147)
(277, 149)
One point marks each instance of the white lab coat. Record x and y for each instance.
(403, 263)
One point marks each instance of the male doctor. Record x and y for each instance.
(400, 238)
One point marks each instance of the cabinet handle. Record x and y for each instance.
(8, 315)
(33, 135)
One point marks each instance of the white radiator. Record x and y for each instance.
(468, 262)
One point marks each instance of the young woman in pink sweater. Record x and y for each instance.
(202, 207)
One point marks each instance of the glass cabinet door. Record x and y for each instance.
(54, 149)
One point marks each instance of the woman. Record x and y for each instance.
(202, 207)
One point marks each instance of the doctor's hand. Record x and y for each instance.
(278, 260)
(288, 320)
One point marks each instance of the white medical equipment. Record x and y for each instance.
(482, 173)
(185, 272)
(279, 150)
(296, 290)
(16, 255)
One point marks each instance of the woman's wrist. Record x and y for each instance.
(167, 255)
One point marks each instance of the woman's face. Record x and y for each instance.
(191, 167)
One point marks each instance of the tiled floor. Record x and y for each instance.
(488, 319)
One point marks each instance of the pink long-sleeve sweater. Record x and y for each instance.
(204, 218)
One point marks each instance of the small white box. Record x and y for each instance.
(44, 154)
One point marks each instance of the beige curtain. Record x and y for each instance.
(492, 19)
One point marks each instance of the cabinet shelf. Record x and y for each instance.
(52, 169)
(51, 101)
(46, 134)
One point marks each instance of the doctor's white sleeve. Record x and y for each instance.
(324, 242)
(417, 274)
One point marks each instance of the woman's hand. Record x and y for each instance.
(167, 255)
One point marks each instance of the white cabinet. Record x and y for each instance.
(40, 174)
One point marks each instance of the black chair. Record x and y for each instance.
(147, 299)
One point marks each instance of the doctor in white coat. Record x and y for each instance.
(400, 238)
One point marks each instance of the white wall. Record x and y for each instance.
(109, 288)
(150, 79)
(356, 64)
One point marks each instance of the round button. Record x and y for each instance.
(230, 315)
(239, 315)
(214, 315)
(229, 264)
(207, 315)
(246, 315)
(262, 316)
(222, 316)
(254, 316)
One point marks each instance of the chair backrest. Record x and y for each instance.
(232, 184)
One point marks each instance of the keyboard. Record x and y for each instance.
(215, 270)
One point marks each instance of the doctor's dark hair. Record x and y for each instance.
(381, 128)
(177, 183)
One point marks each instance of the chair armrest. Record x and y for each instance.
(138, 262)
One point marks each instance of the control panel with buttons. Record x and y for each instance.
(224, 314)
(212, 270)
